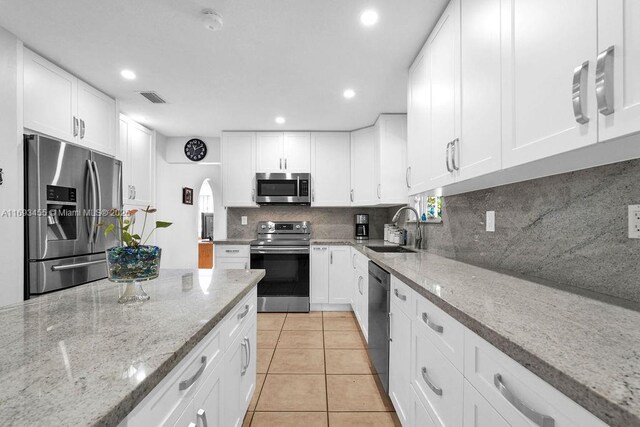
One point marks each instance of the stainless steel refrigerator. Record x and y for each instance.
(68, 190)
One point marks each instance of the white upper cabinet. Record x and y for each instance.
(391, 159)
(548, 72)
(61, 106)
(138, 155)
(478, 150)
(330, 169)
(239, 169)
(287, 152)
(363, 168)
(619, 60)
(418, 117)
(443, 58)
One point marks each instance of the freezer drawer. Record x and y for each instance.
(51, 275)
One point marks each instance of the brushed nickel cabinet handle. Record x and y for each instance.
(280, 163)
(425, 377)
(537, 418)
(75, 126)
(245, 365)
(407, 177)
(82, 129)
(580, 75)
(454, 151)
(351, 196)
(353, 261)
(190, 381)
(389, 328)
(604, 81)
(202, 416)
(285, 163)
(447, 156)
(245, 312)
(399, 295)
(425, 318)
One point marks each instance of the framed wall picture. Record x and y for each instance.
(187, 196)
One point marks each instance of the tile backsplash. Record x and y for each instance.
(571, 229)
(326, 223)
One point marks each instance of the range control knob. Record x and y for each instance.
(304, 226)
(263, 226)
(298, 227)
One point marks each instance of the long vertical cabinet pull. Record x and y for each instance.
(407, 177)
(604, 82)
(448, 155)
(454, 154)
(389, 327)
(202, 416)
(580, 75)
(351, 195)
(82, 129)
(75, 126)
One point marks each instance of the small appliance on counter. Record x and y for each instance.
(362, 227)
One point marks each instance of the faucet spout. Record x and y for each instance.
(396, 218)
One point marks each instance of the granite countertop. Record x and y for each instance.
(77, 357)
(586, 345)
(232, 241)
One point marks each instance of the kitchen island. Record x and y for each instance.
(77, 357)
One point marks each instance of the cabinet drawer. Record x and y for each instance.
(232, 251)
(239, 316)
(444, 331)
(513, 390)
(419, 414)
(402, 295)
(360, 261)
(478, 412)
(438, 384)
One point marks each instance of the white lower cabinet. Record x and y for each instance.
(213, 385)
(419, 416)
(400, 363)
(478, 412)
(319, 275)
(330, 275)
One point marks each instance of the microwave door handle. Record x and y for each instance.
(298, 187)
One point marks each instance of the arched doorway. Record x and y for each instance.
(205, 225)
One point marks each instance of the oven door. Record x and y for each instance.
(285, 287)
(282, 188)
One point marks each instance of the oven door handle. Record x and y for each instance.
(280, 250)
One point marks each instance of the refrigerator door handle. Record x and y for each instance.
(97, 214)
(92, 207)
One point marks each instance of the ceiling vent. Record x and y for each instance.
(153, 97)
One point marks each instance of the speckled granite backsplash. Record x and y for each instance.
(569, 228)
(326, 223)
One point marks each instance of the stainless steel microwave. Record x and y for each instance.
(283, 188)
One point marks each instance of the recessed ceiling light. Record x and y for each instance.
(128, 74)
(349, 93)
(369, 17)
(280, 120)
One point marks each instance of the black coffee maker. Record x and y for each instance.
(362, 227)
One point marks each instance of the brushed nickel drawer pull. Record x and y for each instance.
(190, 381)
(399, 295)
(536, 417)
(244, 313)
(436, 390)
(425, 318)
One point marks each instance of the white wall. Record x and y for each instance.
(179, 242)
(11, 228)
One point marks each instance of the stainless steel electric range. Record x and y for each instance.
(282, 250)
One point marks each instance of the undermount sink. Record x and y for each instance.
(392, 249)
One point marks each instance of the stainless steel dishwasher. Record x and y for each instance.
(379, 308)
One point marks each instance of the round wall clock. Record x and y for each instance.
(195, 149)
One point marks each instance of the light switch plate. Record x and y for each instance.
(634, 221)
(243, 220)
(491, 221)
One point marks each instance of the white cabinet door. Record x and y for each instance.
(97, 115)
(391, 159)
(239, 376)
(330, 169)
(141, 160)
(443, 56)
(618, 22)
(238, 169)
(248, 379)
(297, 152)
(207, 403)
(339, 275)
(418, 120)
(479, 149)
(50, 98)
(231, 263)
(400, 363)
(537, 72)
(478, 412)
(419, 414)
(319, 270)
(363, 176)
(269, 154)
(363, 301)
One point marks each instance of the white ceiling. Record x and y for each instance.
(291, 58)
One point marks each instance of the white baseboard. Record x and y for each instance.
(330, 307)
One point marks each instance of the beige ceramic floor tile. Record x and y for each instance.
(343, 339)
(301, 339)
(247, 419)
(340, 324)
(303, 324)
(270, 321)
(264, 359)
(297, 361)
(363, 419)
(259, 383)
(356, 393)
(339, 314)
(285, 393)
(290, 419)
(305, 315)
(268, 339)
(347, 362)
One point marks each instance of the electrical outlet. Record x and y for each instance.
(634, 221)
(243, 220)
(491, 221)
